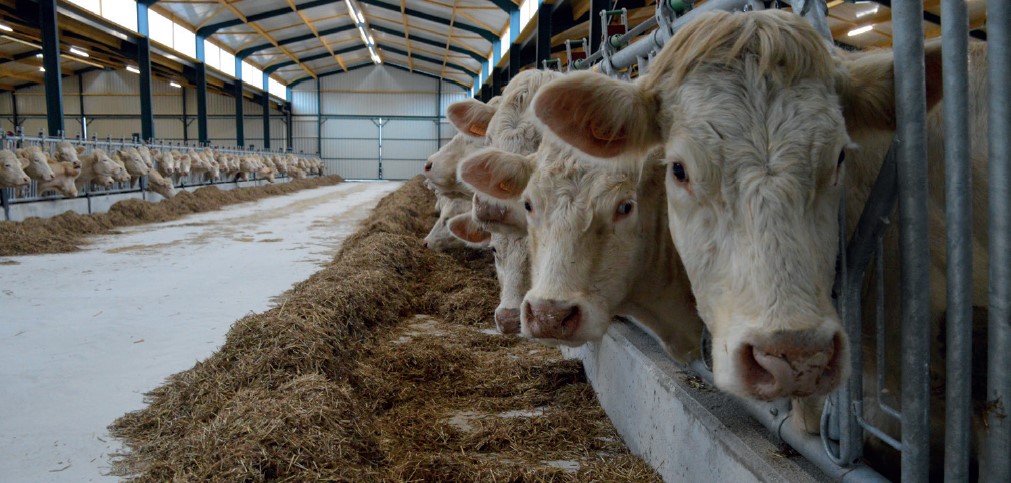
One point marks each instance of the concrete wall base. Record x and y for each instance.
(100, 203)
(681, 426)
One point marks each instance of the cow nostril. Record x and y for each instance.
(428, 166)
(571, 321)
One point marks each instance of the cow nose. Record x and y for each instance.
(791, 365)
(507, 320)
(428, 166)
(551, 319)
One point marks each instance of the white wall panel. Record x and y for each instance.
(6, 103)
(170, 103)
(398, 169)
(219, 104)
(303, 102)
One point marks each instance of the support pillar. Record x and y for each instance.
(595, 33)
(543, 33)
(266, 112)
(201, 91)
(51, 62)
(240, 131)
(319, 119)
(147, 132)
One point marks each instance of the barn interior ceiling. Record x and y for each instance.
(295, 40)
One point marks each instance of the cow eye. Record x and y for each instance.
(527, 206)
(842, 157)
(625, 208)
(678, 170)
(493, 250)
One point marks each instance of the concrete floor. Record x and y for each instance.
(84, 335)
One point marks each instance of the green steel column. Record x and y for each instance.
(51, 62)
(266, 112)
(543, 33)
(147, 132)
(201, 91)
(240, 133)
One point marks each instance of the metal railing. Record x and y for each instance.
(31, 194)
(902, 181)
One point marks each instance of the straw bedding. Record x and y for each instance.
(67, 232)
(380, 367)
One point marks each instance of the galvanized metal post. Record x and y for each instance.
(997, 464)
(240, 124)
(543, 33)
(911, 133)
(147, 130)
(51, 62)
(266, 112)
(958, 213)
(201, 91)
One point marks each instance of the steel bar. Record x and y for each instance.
(655, 40)
(774, 415)
(911, 134)
(266, 112)
(958, 215)
(543, 32)
(147, 129)
(240, 128)
(997, 446)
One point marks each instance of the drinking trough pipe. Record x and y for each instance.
(774, 415)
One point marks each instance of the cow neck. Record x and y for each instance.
(661, 299)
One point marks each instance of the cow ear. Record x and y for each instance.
(496, 173)
(466, 229)
(471, 117)
(866, 87)
(598, 115)
(80, 150)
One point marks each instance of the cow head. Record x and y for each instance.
(11, 173)
(752, 111)
(440, 237)
(440, 169)
(35, 163)
(133, 162)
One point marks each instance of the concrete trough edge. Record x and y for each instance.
(682, 427)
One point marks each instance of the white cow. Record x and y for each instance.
(11, 173)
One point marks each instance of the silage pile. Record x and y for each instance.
(67, 232)
(344, 380)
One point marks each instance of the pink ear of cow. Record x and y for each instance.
(496, 173)
(600, 116)
(465, 228)
(471, 117)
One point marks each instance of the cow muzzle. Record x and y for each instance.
(791, 364)
(507, 320)
(551, 319)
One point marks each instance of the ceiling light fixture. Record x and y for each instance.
(133, 69)
(39, 55)
(860, 30)
(6, 28)
(42, 69)
(77, 51)
(869, 11)
(363, 30)
(175, 84)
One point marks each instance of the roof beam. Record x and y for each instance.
(270, 69)
(505, 5)
(429, 59)
(316, 33)
(428, 74)
(290, 40)
(265, 35)
(209, 30)
(484, 33)
(416, 38)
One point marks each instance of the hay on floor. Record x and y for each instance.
(380, 367)
(67, 232)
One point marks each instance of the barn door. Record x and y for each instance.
(406, 145)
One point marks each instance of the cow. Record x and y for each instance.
(35, 163)
(11, 172)
(598, 246)
(440, 238)
(504, 125)
(135, 164)
(765, 129)
(97, 168)
(160, 184)
(65, 173)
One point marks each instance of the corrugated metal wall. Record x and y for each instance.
(116, 93)
(353, 104)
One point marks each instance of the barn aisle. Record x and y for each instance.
(84, 335)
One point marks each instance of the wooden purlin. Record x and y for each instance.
(267, 36)
(407, 35)
(316, 33)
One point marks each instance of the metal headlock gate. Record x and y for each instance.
(902, 180)
(31, 194)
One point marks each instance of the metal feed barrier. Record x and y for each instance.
(30, 193)
(903, 180)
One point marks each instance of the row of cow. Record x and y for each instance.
(67, 169)
(703, 194)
